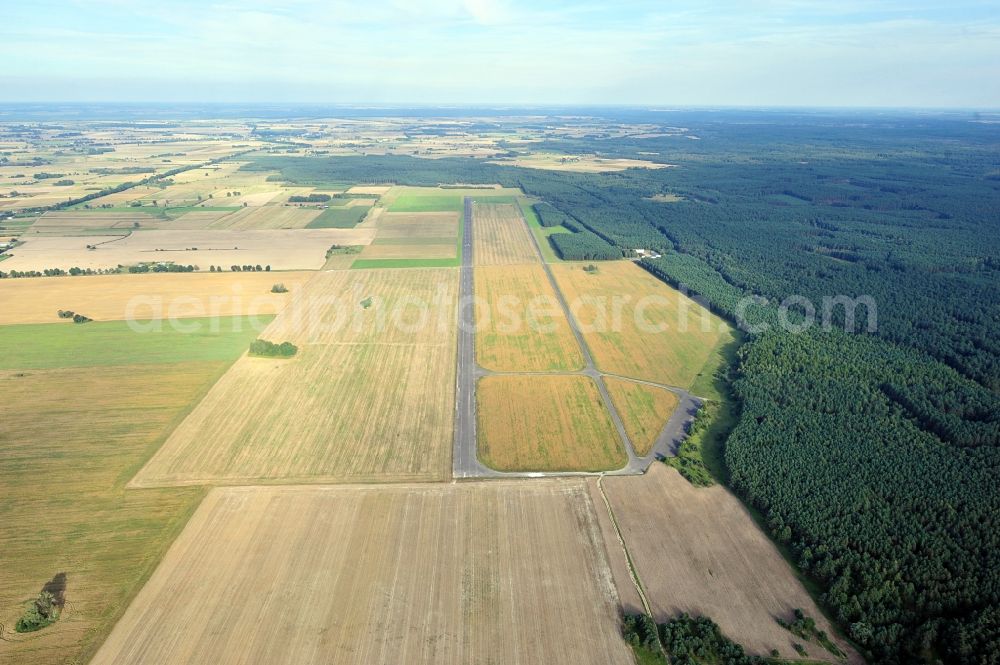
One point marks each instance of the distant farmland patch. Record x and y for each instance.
(145, 296)
(298, 249)
(339, 218)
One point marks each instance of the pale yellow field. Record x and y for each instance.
(146, 296)
(697, 550)
(635, 324)
(413, 225)
(500, 235)
(447, 574)
(369, 396)
(197, 219)
(545, 423)
(643, 409)
(409, 251)
(300, 249)
(73, 223)
(249, 199)
(524, 328)
(267, 217)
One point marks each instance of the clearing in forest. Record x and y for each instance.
(545, 423)
(508, 572)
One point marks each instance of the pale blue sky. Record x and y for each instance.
(729, 52)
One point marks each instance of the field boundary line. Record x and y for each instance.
(633, 573)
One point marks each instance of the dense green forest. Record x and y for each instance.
(872, 454)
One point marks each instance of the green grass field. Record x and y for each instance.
(70, 440)
(542, 233)
(707, 383)
(339, 218)
(434, 199)
(102, 343)
(421, 202)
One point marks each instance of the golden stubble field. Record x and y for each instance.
(644, 410)
(697, 550)
(267, 217)
(545, 423)
(500, 235)
(521, 327)
(146, 296)
(500, 572)
(410, 226)
(282, 249)
(635, 324)
(369, 396)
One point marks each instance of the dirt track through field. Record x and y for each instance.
(698, 550)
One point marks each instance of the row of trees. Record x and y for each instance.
(262, 347)
(687, 640)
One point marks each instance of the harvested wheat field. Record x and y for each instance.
(369, 396)
(399, 226)
(545, 423)
(300, 249)
(87, 223)
(465, 574)
(198, 219)
(410, 250)
(267, 217)
(524, 328)
(635, 324)
(644, 409)
(697, 550)
(500, 235)
(146, 296)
